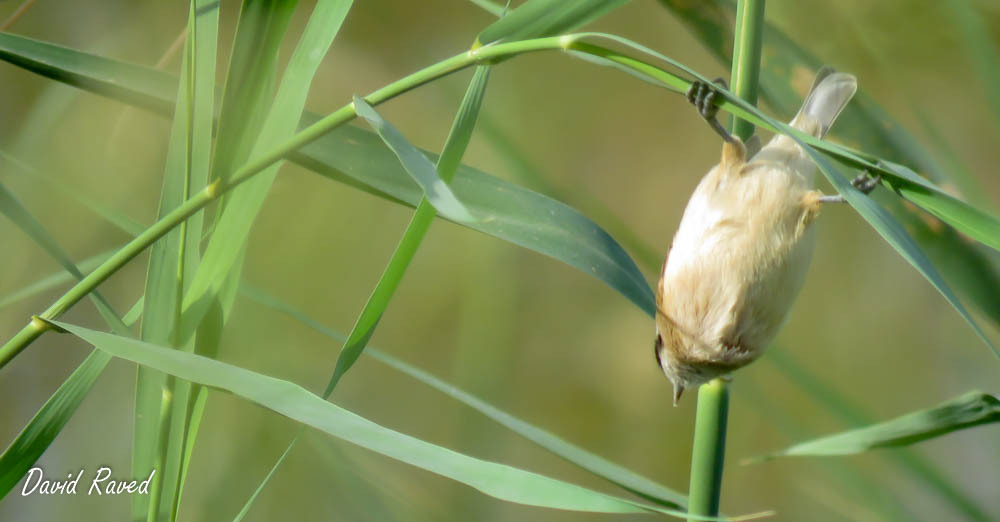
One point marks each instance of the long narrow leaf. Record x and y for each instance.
(416, 165)
(964, 412)
(849, 413)
(190, 158)
(289, 399)
(612, 472)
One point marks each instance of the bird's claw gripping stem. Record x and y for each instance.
(702, 96)
(864, 182)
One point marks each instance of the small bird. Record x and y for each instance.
(744, 244)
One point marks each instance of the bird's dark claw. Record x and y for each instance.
(702, 96)
(865, 182)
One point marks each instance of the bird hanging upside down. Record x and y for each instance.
(743, 247)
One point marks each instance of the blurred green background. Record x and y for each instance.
(526, 333)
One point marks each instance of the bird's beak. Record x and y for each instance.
(678, 390)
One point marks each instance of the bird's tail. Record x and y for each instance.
(828, 96)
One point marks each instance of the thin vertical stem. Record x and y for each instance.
(709, 451)
(708, 454)
(746, 59)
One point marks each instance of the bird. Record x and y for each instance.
(745, 241)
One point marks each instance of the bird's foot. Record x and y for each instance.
(702, 96)
(864, 182)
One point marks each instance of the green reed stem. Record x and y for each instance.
(709, 452)
(746, 59)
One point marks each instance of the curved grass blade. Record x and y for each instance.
(975, 223)
(146, 88)
(416, 165)
(536, 18)
(358, 158)
(967, 411)
(851, 414)
(610, 471)
(291, 400)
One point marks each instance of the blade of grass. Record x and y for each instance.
(967, 411)
(417, 165)
(814, 387)
(861, 489)
(289, 399)
(610, 471)
(146, 88)
(189, 159)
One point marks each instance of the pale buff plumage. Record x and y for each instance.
(742, 249)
